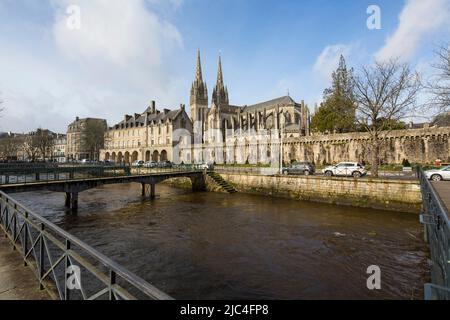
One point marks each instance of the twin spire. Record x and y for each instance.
(198, 73)
(199, 90)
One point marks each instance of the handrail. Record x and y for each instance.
(435, 196)
(437, 230)
(22, 175)
(16, 220)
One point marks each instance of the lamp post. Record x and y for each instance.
(283, 126)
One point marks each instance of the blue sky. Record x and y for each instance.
(127, 53)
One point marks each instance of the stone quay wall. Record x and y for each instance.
(392, 195)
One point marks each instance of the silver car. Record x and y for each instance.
(438, 174)
(346, 169)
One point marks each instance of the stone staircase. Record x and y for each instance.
(221, 182)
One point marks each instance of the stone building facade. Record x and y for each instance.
(153, 135)
(59, 148)
(75, 149)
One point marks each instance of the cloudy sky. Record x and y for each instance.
(126, 53)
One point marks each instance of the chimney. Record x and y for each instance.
(182, 106)
(166, 111)
(77, 118)
(153, 107)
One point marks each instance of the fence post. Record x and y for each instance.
(25, 240)
(41, 257)
(112, 282)
(66, 266)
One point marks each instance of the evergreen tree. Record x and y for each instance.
(337, 112)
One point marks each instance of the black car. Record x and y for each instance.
(301, 168)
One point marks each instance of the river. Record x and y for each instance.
(219, 246)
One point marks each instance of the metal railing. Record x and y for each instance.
(27, 175)
(247, 170)
(437, 231)
(65, 266)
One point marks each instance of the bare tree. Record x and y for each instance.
(30, 147)
(385, 93)
(439, 85)
(44, 141)
(9, 148)
(93, 138)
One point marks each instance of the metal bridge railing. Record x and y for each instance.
(437, 229)
(27, 174)
(64, 265)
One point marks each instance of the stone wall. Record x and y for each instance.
(417, 145)
(393, 195)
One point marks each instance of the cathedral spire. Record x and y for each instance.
(199, 92)
(220, 93)
(198, 73)
(219, 72)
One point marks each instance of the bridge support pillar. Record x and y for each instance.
(152, 191)
(68, 199)
(199, 183)
(74, 201)
(146, 188)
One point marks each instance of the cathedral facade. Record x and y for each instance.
(238, 134)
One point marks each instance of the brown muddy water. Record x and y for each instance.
(219, 246)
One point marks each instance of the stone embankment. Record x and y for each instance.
(377, 193)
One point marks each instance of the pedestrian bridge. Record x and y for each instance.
(73, 180)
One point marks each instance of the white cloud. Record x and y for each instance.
(417, 19)
(115, 31)
(328, 60)
(122, 57)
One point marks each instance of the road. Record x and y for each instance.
(443, 189)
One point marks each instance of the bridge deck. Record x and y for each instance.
(443, 190)
(142, 178)
(16, 281)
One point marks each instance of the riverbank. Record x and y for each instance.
(384, 194)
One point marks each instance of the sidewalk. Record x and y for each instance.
(16, 281)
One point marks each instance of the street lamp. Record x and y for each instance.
(283, 126)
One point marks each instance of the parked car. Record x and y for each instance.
(150, 164)
(85, 161)
(346, 169)
(138, 163)
(305, 168)
(165, 164)
(438, 174)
